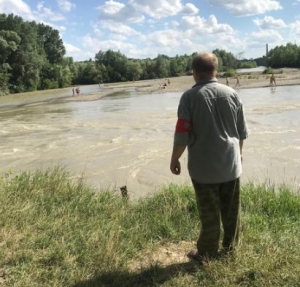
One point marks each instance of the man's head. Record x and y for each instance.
(205, 66)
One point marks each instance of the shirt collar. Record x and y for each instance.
(203, 82)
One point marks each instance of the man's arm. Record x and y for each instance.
(176, 154)
(241, 149)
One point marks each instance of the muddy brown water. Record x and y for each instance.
(127, 138)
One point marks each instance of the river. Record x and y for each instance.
(127, 138)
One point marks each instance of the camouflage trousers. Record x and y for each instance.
(218, 203)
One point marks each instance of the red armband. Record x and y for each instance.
(183, 126)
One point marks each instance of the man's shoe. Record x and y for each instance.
(194, 255)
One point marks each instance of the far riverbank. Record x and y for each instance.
(175, 84)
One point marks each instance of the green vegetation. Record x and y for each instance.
(30, 54)
(58, 232)
(272, 71)
(230, 73)
(287, 56)
(245, 64)
(268, 71)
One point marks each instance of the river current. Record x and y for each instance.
(127, 138)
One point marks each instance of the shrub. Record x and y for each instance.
(268, 71)
(230, 73)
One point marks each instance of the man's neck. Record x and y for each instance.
(204, 77)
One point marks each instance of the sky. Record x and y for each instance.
(145, 28)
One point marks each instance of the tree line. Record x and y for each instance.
(32, 57)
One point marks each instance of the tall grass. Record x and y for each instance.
(58, 232)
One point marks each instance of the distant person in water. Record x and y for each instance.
(272, 80)
(227, 82)
(77, 91)
(73, 92)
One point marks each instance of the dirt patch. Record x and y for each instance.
(172, 253)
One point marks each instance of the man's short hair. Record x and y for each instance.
(205, 63)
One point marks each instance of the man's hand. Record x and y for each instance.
(176, 154)
(175, 167)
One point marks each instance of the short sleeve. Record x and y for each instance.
(184, 122)
(241, 122)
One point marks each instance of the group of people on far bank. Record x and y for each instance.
(163, 86)
(272, 81)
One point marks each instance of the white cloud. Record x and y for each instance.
(157, 8)
(151, 21)
(175, 24)
(93, 45)
(66, 5)
(118, 37)
(47, 13)
(269, 23)
(118, 28)
(214, 27)
(264, 36)
(247, 7)
(113, 10)
(295, 27)
(17, 7)
(165, 38)
(172, 42)
(56, 27)
(97, 31)
(198, 25)
(70, 49)
(41, 15)
(111, 7)
(192, 22)
(297, 2)
(189, 9)
(256, 42)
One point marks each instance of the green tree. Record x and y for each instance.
(285, 56)
(228, 59)
(52, 44)
(161, 66)
(134, 70)
(115, 63)
(9, 41)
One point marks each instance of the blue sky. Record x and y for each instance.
(146, 28)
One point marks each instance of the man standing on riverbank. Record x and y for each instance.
(212, 125)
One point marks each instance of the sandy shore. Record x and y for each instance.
(183, 83)
(177, 84)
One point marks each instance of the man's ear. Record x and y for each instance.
(195, 75)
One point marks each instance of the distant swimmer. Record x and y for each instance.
(272, 80)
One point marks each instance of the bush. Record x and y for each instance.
(230, 73)
(268, 71)
(49, 84)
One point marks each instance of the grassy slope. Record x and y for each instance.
(56, 232)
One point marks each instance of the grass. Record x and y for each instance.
(58, 232)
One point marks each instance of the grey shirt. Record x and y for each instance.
(211, 123)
